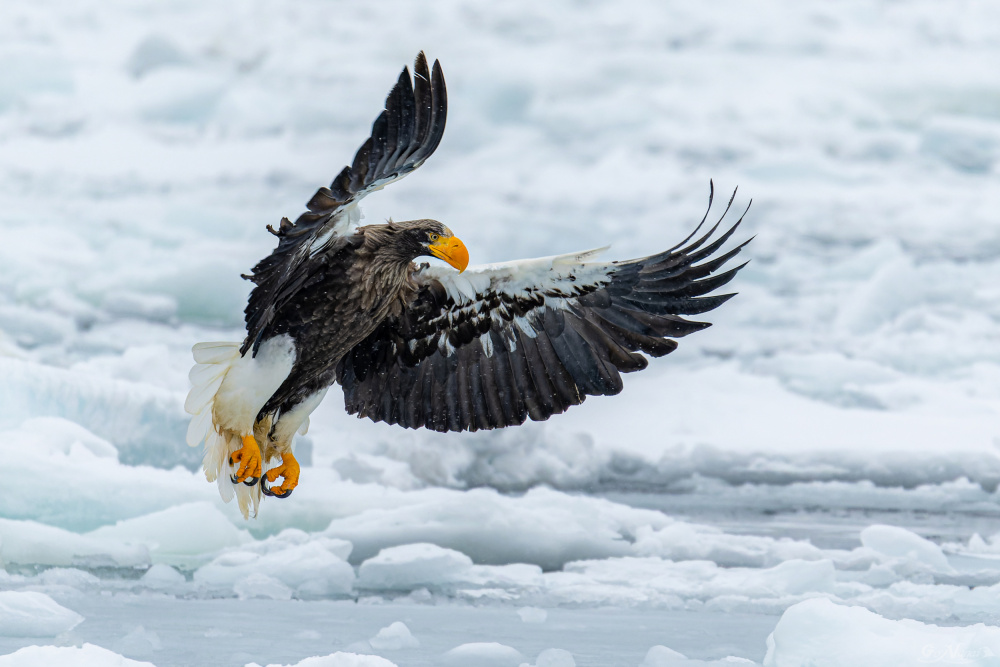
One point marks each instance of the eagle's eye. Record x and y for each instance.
(432, 237)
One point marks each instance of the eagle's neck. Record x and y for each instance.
(383, 267)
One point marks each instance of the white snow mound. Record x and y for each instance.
(483, 654)
(87, 655)
(33, 614)
(823, 634)
(338, 659)
(393, 638)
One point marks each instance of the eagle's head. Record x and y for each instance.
(415, 238)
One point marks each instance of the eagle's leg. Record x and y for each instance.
(249, 460)
(288, 470)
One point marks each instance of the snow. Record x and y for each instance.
(661, 656)
(338, 659)
(820, 465)
(393, 638)
(87, 655)
(532, 615)
(488, 654)
(283, 563)
(820, 633)
(31, 614)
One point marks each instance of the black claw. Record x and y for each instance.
(268, 492)
(231, 461)
(249, 481)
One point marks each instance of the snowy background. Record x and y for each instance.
(812, 479)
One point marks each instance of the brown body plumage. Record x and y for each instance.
(346, 296)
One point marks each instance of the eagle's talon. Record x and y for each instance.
(248, 457)
(268, 492)
(288, 470)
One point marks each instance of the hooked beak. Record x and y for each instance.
(452, 250)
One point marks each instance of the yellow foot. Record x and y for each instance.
(289, 471)
(248, 458)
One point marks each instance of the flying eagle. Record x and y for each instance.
(460, 349)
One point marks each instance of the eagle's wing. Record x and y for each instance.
(497, 344)
(404, 135)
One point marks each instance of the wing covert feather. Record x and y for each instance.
(502, 343)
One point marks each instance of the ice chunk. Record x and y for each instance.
(412, 566)
(87, 655)
(68, 577)
(139, 642)
(258, 585)
(393, 638)
(483, 654)
(186, 535)
(661, 656)
(555, 657)
(686, 541)
(145, 423)
(33, 614)
(897, 542)
(532, 615)
(338, 659)
(32, 543)
(543, 527)
(163, 577)
(310, 566)
(823, 634)
(633, 581)
(52, 435)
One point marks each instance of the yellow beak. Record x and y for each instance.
(452, 250)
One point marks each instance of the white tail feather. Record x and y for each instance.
(227, 392)
(202, 396)
(215, 353)
(200, 425)
(214, 361)
(205, 373)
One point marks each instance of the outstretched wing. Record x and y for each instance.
(497, 344)
(404, 135)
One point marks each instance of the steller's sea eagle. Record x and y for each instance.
(479, 347)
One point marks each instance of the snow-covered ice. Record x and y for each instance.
(821, 467)
(33, 614)
(820, 633)
(87, 655)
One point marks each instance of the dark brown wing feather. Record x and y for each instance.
(403, 136)
(532, 349)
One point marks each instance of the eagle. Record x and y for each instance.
(447, 348)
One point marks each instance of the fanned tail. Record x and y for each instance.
(212, 363)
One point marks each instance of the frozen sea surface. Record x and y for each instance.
(813, 480)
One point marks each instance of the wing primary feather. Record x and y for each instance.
(697, 244)
(407, 116)
(711, 198)
(423, 105)
(439, 113)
